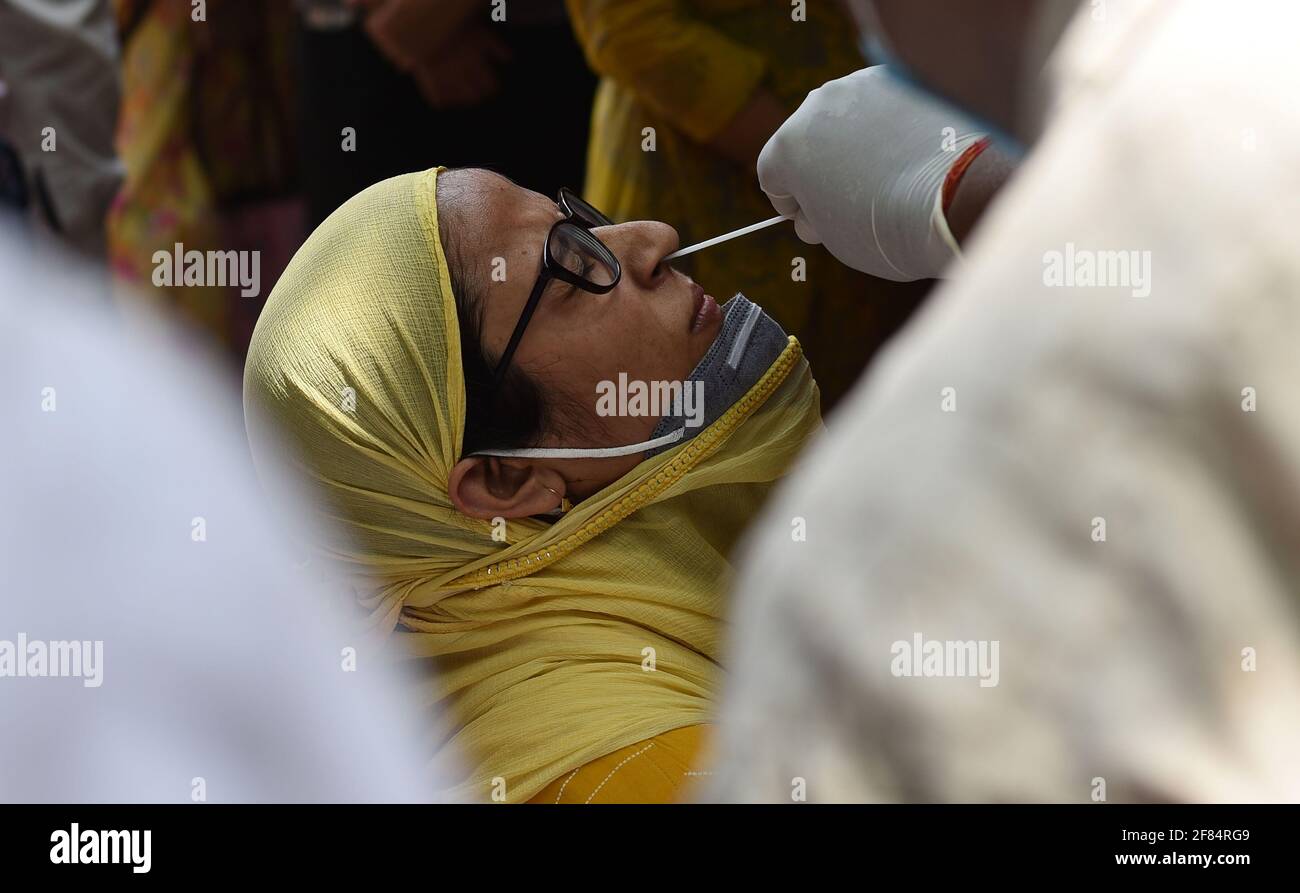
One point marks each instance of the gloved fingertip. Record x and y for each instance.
(785, 205)
(805, 230)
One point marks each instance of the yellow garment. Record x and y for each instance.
(571, 640)
(662, 769)
(203, 138)
(683, 70)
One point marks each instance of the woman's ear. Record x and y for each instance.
(490, 487)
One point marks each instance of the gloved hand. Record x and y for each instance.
(860, 168)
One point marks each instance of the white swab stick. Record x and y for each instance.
(727, 237)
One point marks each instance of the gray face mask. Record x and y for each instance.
(747, 345)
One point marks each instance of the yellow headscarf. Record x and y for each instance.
(571, 639)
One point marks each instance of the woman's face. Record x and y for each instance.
(655, 325)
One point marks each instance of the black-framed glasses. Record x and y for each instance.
(572, 254)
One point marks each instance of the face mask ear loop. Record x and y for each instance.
(587, 452)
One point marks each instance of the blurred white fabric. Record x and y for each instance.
(1172, 131)
(222, 660)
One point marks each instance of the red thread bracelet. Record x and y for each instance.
(958, 170)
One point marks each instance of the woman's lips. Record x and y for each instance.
(707, 311)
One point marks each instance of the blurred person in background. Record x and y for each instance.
(689, 94)
(389, 85)
(161, 638)
(59, 95)
(1082, 459)
(207, 137)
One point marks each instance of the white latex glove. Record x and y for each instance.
(860, 168)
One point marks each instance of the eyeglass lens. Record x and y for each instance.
(579, 252)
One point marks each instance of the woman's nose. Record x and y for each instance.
(641, 247)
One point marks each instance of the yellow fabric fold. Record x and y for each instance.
(571, 639)
(676, 62)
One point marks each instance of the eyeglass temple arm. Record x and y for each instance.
(529, 308)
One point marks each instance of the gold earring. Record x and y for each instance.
(565, 505)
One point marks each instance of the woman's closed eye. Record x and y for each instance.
(577, 263)
(560, 290)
